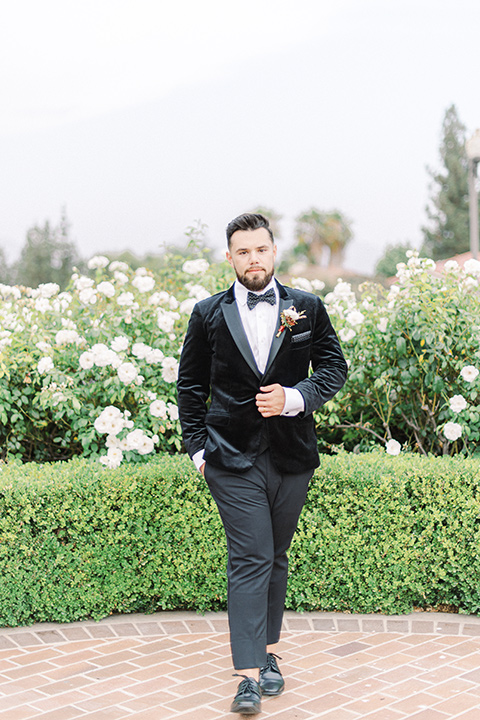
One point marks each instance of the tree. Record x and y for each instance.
(47, 256)
(447, 210)
(273, 218)
(4, 270)
(317, 231)
(393, 254)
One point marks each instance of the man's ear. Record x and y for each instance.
(229, 258)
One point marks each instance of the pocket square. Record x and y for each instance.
(301, 336)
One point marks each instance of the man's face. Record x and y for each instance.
(252, 255)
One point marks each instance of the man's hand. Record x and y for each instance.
(270, 400)
(202, 469)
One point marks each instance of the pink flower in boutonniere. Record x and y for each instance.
(289, 318)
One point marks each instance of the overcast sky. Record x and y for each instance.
(143, 116)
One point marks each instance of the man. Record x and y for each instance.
(250, 349)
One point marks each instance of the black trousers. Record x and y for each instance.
(259, 510)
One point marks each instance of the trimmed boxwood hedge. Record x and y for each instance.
(377, 534)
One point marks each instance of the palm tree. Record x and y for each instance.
(316, 230)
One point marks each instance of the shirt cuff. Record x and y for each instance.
(198, 460)
(294, 402)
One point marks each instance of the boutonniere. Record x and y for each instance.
(289, 318)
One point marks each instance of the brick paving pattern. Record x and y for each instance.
(176, 666)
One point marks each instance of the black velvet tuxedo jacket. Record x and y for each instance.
(218, 364)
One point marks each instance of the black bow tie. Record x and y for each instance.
(268, 297)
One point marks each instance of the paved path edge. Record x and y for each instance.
(181, 622)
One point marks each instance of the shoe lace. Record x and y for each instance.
(272, 662)
(247, 686)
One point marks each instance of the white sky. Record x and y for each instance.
(141, 116)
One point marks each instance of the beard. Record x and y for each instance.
(255, 283)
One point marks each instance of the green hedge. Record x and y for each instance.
(378, 534)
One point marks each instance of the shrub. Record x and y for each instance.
(377, 534)
(413, 352)
(92, 371)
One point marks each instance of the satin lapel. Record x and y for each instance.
(234, 324)
(277, 341)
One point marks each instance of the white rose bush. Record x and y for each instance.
(413, 351)
(92, 371)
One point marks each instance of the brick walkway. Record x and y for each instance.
(173, 666)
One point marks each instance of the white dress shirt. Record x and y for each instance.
(260, 324)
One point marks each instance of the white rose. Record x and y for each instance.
(42, 305)
(48, 290)
(347, 334)
(113, 458)
(119, 343)
(64, 337)
(125, 298)
(169, 369)
(187, 305)
(118, 265)
(451, 266)
(452, 431)
(83, 282)
(134, 439)
(120, 277)
(111, 412)
(382, 325)
(158, 409)
(103, 356)
(472, 266)
(106, 288)
(143, 283)
(457, 403)
(97, 261)
(301, 283)
(86, 360)
(62, 302)
(195, 267)
(155, 355)
(173, 411)
(108, 425)
(469, 373)
(393, 447)
(166, 319)
(155, 298)
(5, 342)
(43, 346)
(45, 364)
(197, 291)
(355, 317)
(127, 372)
(140, 350)
(88, 295)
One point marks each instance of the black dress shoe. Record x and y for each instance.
(248, 698)
(271, 681)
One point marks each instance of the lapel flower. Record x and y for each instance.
(288, 318)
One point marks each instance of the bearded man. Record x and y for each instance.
(266, 356)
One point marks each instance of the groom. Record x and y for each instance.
(266, 356)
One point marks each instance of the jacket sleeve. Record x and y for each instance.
(328, 364)
(193, 385)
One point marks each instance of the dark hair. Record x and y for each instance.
(248, 221)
